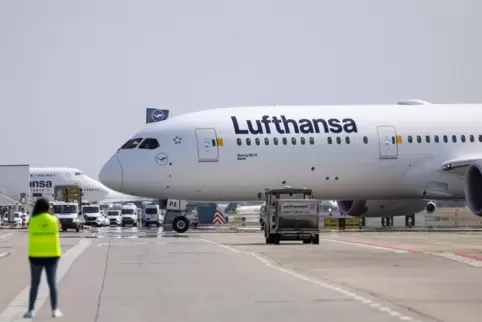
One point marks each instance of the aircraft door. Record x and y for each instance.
(207, 145)
(387, 140)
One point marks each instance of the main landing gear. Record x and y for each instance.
(409, 221)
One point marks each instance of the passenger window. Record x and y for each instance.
(285, 141)
(266, 141)
(302, 141)
(257, 141)
(131, 144)
(471, 138)
(454, 138)
(480, 138)
(365, 140)
(462, 138)
(419, 139)
(312, 140)
(248, 141)
(427, 138)
(446, 139)
(338, 140)
(293, 141)
(275, 141)
(347, 140)
(239, 141)
(149, 144)
(330, 141)
(435, 138)
(393, 140)
(410, 140)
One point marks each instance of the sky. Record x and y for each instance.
(77, 76)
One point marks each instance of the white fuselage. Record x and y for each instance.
(44, 180)
(349, 152)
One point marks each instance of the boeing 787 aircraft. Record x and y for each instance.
(374, 160)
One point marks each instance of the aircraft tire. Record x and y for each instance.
(316, 240)
(180, 224)
(410, 221)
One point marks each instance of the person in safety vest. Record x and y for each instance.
(44, 251)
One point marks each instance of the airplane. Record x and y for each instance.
(43, 181)
(373, 160)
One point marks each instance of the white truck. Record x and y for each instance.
(291, 219)
(129, 215)
(93, 215)
(68, 215)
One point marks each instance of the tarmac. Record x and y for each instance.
(138, 274)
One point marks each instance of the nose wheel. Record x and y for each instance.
(180, 224)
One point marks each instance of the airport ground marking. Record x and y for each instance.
(2, 255)
(337, 289)
(371, 245)
(15, 310)
(461, 258)
(473, 257)
(5, 235)
(221, 245)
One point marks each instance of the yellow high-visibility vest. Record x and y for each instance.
(43, 233)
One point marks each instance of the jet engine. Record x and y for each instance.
(430, 207)
(381, 208)
(473, 188)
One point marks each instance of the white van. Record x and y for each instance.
(68, 215)
(151, 215)
(129, 214)
(115, 217)
(93, 216)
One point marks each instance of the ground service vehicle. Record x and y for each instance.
(115, 217)
(293, 218)
(129, 215)
(151, 215)
(93, 216)
(68, 215)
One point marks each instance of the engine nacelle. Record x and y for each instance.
(430, 207)
(380, 208)
(473, 188)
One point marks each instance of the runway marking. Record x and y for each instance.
(337, 289)
(374, 246)
(5, 235)
(221, 245)
(461, 258)
(2, 255)
(19, 305)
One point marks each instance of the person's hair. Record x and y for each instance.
(41, 206)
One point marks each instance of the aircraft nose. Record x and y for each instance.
(111, 174)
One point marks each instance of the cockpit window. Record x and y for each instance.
(132, 143)
(149, 144)
(77, 173)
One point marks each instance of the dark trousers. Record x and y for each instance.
(36, 267)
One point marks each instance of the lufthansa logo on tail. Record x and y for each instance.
(283, 125)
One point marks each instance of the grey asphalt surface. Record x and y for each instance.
(146, 275)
